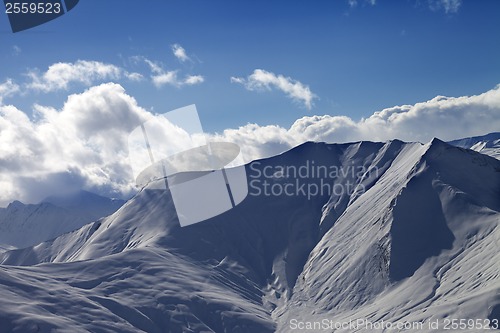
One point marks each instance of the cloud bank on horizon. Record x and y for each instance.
(84, 144)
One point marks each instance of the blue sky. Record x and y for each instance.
(356, 58)
(266, 75)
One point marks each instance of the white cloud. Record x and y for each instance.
(154, 66)
(194, 79)
(354, 3)
(264, 80)
(164, 78)
(161, 77)
(83, 145)
(8, 88)
(16, 50)
(134, 76)
(239, 80)
(180, 53)
(259, 141)
(60, 75)
(444, 117)
(449, 6)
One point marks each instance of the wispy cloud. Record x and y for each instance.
(354, 3)
(161, 77)
(194, 79)
(61, 75)
(134, 76)
(16, 50)
(8, 88)
(449, 6)
(240, 80)
(264, 80)
(180, 53)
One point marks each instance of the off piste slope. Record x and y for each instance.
(488, 144)
(23, 225)
(382, 231)
(420, 245)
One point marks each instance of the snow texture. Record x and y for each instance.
(415, 240)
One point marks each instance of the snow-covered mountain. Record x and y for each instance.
(24, 225)
(399, 232)
(488, 144)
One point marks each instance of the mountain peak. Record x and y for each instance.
(420, 224)
(16, 204)
(437, 141)
(470, 141)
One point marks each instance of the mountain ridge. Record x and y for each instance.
(404, 232)
(488, 144)
(23, 225)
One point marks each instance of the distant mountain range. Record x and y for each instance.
(486, 144)
(402, 233)
(26, 225)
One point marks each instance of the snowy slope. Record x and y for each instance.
(26, 225)
(488, 144)
(86, 204)
(417, 240)
(423, 245)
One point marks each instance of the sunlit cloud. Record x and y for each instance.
(261, 80)
(180, 53)
(162, 77)
(60, 75)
